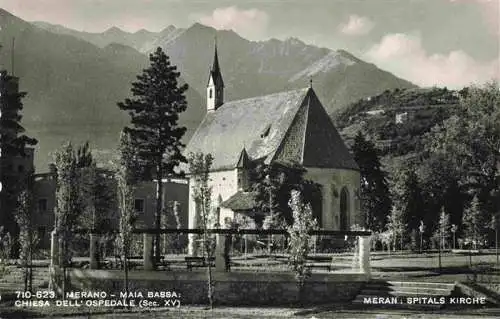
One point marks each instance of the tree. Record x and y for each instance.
(68, 204)
(396, 226)
(126, 186)
(13, 145)
(443, 231)
(300, 239)
(76, 171)
(155, 134)
(475, 223)
(272, 185)
(441, 190)
(471, 141)
(407, 200)
(274, 222)
(27, 239)
(199, 169)
(171, 220)
(375, 194)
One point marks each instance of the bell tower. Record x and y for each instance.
(215, 85)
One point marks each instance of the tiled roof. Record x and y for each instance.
(237, 124)
(240, 201)
(313, 141)
(288, 127)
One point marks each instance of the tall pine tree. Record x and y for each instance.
(155, 134)
(13, 145)
(375, 195)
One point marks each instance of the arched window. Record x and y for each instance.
(210, 93)
(344, 209)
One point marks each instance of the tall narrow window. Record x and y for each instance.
(139, 205)
(210, 93)
(42, 205)
(344, 209)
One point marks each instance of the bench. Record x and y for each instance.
(118, 262)
(327, 267)
(192, 262)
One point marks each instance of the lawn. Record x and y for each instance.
(402, 266)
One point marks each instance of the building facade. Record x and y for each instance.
(44, 202)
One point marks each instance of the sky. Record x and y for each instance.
(449, 43)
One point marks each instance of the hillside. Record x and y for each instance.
(398, 120)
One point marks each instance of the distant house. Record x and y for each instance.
(402, 118)
(290, 128)
(375, 112)
(44, 191)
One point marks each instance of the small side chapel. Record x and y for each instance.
(288, 128)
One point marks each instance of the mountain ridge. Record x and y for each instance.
(77, 76)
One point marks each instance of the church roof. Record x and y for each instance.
(288, 127)
(240, 201)
(244, 160)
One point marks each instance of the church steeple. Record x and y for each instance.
(215, 85)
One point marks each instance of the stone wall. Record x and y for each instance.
(230, 288)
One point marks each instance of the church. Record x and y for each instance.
(287, 127)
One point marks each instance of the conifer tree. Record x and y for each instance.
(475, 223)
(444, 229)
(155, 134)
(375, 196)
(12, 145)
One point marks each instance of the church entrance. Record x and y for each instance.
(344, 209)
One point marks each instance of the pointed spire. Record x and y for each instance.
(243, 160)
(215, 72)
(310, 82)
(215, 65)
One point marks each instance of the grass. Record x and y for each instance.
(403, 266)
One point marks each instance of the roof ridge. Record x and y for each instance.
(267, 95)
(308, 105)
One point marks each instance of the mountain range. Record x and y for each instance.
(74, 79)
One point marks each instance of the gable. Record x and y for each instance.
(313, 141)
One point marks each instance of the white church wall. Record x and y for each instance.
(332, 182)
(223, 183)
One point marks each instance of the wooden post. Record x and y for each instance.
(364, 254)
(93, 251)
(220, 260)
(54, 260)
(148, 252)
(54, 251)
